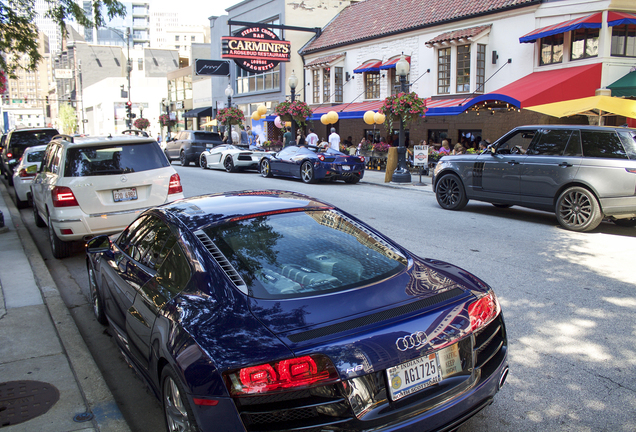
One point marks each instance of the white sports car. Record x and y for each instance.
(230, 158)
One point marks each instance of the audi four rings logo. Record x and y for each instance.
(412, 341)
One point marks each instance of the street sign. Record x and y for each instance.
(63, 73)
(211, 67)
(420, 155)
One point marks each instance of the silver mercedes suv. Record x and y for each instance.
(581, 173)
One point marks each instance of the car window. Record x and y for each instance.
(520, 139)
(23, 139)
(112, 160)
(628, 138)
(288, 152)
(157, 240)
(48, 154)
(602, 144)
(129, 233)
(54, 165)
(206, 136)
(273, 257)
(35, 156)
(550, 142)
(174, 273)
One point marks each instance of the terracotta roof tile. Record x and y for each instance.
(371, 19)
(458, 34)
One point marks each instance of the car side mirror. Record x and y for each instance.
(98, 244)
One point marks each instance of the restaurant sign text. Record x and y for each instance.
(256, 49)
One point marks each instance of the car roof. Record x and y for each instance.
(198, 212)
(28, 130)
(573, 126)
(36, 148)
(95, 141)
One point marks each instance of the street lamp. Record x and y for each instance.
(229, 92)
(401, 173)
(293, 82)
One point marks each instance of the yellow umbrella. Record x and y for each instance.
(596, 105)
(210, 123)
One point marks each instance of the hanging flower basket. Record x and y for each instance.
(405, 106)
(230, 116)
(3, 82)
(141, 123)
(298, 110)
(164, 120)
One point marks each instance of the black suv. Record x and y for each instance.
(188, 145)
(581, 173)
(19, 139)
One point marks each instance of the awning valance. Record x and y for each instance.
(588, 21)
(625, 86)
(390, 64)
(198, 112)
(325, 61)
(457, 35)
(620, 18)
(369, 66)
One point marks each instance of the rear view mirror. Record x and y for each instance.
(98, 244)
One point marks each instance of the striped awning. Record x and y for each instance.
(390, 64)
(369, 66)
(588, 21)
(620, 18)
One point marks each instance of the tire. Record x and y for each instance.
(265, 168)
(96, 298)
(19, 203)
(183, 159)
(307, 172)
(39, 222)
(203, 161)
(577, 209)
(450, 193)
(60, 249)
(503, 206)
(228, 164)
(176, 408)
(628, 223)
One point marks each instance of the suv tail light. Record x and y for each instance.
(483, 311)
(175, 184)
(23, 174)
(294, 373)
(63, 197)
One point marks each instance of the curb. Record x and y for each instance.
(97, 396)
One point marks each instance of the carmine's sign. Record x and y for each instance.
(256, 49)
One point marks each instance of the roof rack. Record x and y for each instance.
(135, 132)
(64, 137)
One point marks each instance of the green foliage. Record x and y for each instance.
(19, 34)
(405, 106)
(68, 119)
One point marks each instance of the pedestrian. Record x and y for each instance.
(300, 138)
(312, 139)
(244, 137)
(287, 137)
(334, 140)
(236, 137)
(159, 139)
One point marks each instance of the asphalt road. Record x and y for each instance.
(569, 301)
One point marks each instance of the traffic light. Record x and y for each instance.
(129, 109)
(46, 99)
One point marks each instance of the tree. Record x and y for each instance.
(19, 34)
(68, 119)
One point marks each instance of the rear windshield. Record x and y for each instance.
(22, 140)
(35, 156)
(113, 159)
(206, 136)
(304, 253)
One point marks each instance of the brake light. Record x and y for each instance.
(9, 155)
(63, 197)
(483, 311)
(361, 158)
(23, 174)
(321, 158)
(175, 184)
(295, 373)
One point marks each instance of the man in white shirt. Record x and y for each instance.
(334, 140)
(312, 139)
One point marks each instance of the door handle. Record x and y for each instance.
(565, 164)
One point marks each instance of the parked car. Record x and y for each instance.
(98, 185)
(230, 158)
(188, 145)
(234, 318)
(19, 139)
(22, 177)
(581, 173)
(312, 165)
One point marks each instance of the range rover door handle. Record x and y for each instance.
(565, 164)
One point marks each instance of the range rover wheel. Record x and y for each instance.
(183, 159)
(450, 193)
(60, 249)
(577, 209)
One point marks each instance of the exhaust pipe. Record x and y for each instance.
(504, 375)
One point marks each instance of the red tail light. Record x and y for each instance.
(23, 174)
(175, 184)
(361, 158)
(9, 155)
(483, 311)
(63, 197)
(295, 373)
(321, 158)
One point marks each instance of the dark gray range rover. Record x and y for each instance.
(582, 173)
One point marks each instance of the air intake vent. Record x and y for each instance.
(223, 262)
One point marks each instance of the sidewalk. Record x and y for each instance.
(48, 378)
(377, 178)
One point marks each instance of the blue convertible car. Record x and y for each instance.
(311, 165)
(274, 311)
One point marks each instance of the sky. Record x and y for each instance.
(201, 10)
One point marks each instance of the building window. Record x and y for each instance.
(339, 83)
(248, 82)
(326, 87)
(140, 64)
(584, 43)
(551, 49)
(316, 83)
(372, 85)
(481, 68)
(443, 70)
(624, 40)
(176, 38)
(192, 38)
(463, 68)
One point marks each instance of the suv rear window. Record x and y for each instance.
(207, 136)
(113, 159)
(23, 139)
(304, 253)
(602, 144)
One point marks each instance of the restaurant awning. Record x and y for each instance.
(198, 112)
(588, 21)
(390, 64)
(458, 35)
(595, 105)
(325, 61)
(369, 66)
(620, 18)
(625, 86)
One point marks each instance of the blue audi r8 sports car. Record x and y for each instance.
(312, 165)
(273, 311)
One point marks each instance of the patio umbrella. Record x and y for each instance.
(600, 106)
(210, 123)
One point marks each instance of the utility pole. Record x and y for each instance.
(129, 69)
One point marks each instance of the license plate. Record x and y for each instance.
(413, 376)
(209, 145)
(128, 194)
(346, 168)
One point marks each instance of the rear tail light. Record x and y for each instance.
(175, 184)
(63, 197)
(361, 158)
(483, 311)
(321, 158)
(295, 373)
(9, 155)
(23, 174)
